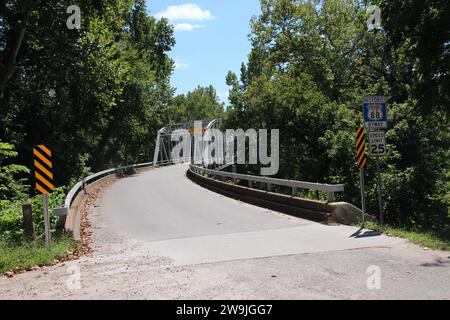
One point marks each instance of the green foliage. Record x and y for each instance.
(200, 104)
(74, 90)
(24, 255)
(11, 218)
(425, 239)
(12, 186)
(418, 31)
(415, 169)
(310, 65)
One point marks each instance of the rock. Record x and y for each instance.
(345, 213)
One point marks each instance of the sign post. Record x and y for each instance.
(46, 222)
(380, 195)
(44, 183)
(378, 148)
(376, 117)
(363, 197)
(361, 162)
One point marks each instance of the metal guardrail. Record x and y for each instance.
(330, 189)
(81, 185)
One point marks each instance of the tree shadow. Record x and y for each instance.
(126, 173)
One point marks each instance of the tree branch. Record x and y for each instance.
(8, 67)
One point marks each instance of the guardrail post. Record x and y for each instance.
(28, 221)
(329, 197)
(234, 170)
(60, 225)
(250, 183)
(84, 185)
(294, 191)
(269, 187)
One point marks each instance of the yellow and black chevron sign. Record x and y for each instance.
(43, 169)
(361, 148)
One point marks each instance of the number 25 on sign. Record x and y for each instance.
(377, 143)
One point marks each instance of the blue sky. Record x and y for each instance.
(211, 39)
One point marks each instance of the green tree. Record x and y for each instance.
(94, 96)
(12, 184)
(13, 24)
(142, 108)
(310, 65)
(419, 32)
(200, 104)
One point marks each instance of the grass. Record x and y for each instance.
(25, 255)
(424, 239)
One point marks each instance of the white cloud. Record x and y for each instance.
(181, 65)
(188, 27)
(188, 11)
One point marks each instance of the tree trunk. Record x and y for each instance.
(8, 67)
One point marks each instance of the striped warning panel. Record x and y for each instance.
(361, 148)
(193, 130)
(43, 169)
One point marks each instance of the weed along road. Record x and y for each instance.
(158, 235)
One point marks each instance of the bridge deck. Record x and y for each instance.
(189, 224)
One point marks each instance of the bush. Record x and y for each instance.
(12, 187)
(11, 219)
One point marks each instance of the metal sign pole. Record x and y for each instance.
(363, 198)
(375, 115)
(380, 199)
(46, 222)
(362, 161)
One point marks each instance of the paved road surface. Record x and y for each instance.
(193, 225)
(157, 235)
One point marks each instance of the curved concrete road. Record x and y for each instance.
(191, 225)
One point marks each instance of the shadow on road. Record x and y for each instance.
(361, 233)
(439, 262)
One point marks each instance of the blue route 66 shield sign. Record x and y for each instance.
(375, 112)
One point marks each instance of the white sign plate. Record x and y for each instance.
(377, 143)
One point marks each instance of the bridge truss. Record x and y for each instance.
(164, 143)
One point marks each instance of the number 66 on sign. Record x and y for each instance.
(375, 112)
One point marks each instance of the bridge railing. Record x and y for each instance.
(329, 189)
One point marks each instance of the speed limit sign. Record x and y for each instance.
(377, 143)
